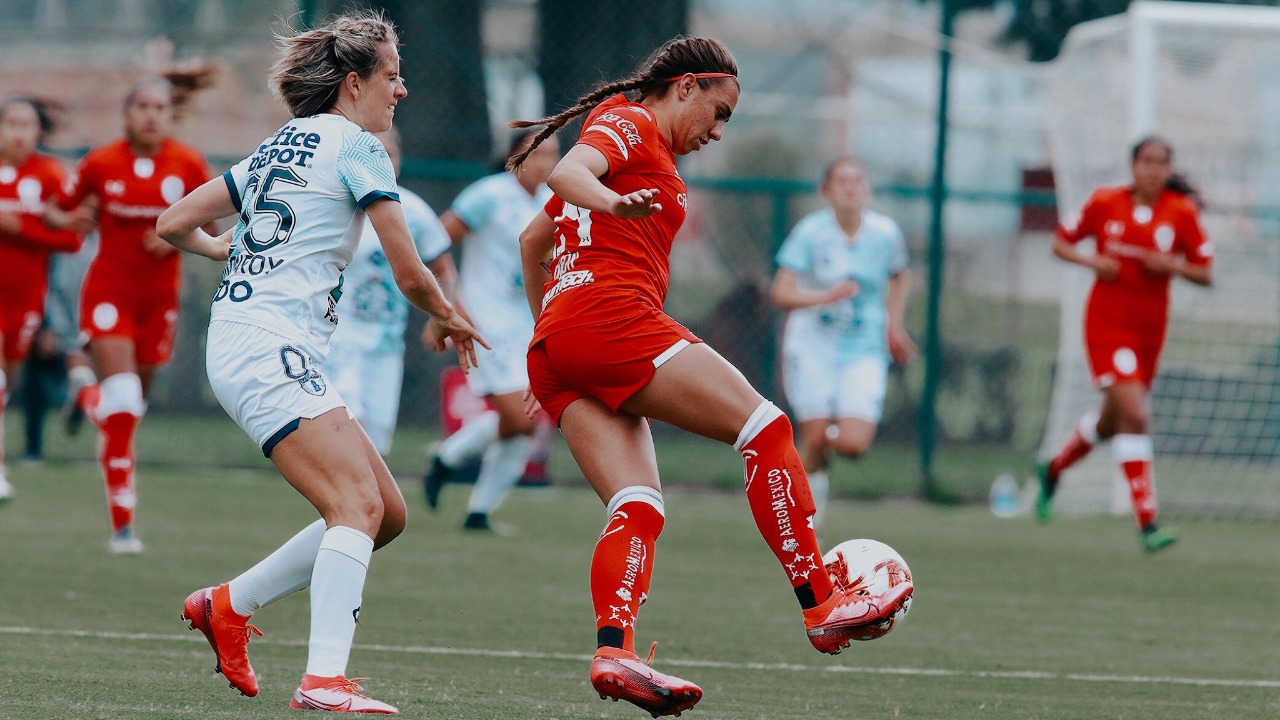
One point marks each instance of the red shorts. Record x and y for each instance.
(18, 324)
(148, 318)
(1121, 354)
(609, 362)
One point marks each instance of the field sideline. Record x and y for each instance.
(1011, 620)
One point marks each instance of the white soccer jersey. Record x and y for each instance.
(496, 209)
(822, 256)
(301, 198)
(374, 311)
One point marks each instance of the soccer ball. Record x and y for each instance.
(868, 567)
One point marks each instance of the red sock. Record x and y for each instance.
(1071, 453)
(782, 505)
(1134, 453)
(117, 467)
(621, 569)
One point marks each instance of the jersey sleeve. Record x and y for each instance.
(474, 205)
(1085, 225)
(620, 134)
(365, 169)
(796, 254)
(898, 258)
(1196, 245)
(428, 233)
(80, 184)
(236, 178)
(52, 178)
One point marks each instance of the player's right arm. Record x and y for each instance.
(1066, 239)
(576, 180)
(183, 224)
(787, 295)
(536, 243)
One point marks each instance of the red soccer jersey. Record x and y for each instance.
(24, 190)
(1137, 299)
(132, 191)
(604, 266)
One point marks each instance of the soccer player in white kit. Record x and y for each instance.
(486, 219)
(302, 198)
(366, 357)
(842, 275)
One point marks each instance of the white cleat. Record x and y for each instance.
(336, 694)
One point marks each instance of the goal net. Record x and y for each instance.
(1204, 77)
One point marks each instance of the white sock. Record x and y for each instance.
(501, 469)
(283, 572)
(337, 582)
(820, 487)
(471, 439)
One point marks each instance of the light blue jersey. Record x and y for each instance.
(823, 256)
(301, 198)
(496, 209)
(374, 311)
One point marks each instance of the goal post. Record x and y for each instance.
(1205, 77)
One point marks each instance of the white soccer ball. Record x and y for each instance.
(868, 567)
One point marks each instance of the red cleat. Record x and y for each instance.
(336, 694)
(619, 674)
(847, 616)
(209, 611)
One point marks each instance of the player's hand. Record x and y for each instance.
(636, 205)
(222, 245)
(531, 405)
(902, 349)
(1162, 263)
(10, 223)
(156, 245)
(455, 328)
(846, 289)
(1106, 267)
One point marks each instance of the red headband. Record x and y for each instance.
(703, 75)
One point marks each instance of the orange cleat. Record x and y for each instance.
(619, 674)
(336, 694)
(209, 611)
(846, 616)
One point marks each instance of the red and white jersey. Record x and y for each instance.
(24, 191)
(131, 192)
(1128, 231)
(604, 266)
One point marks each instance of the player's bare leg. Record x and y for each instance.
(503, 461)
(615, 453)
(699, 391)
(7, 376)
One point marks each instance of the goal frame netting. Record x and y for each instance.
(1189, 72)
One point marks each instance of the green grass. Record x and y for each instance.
(1011, 620)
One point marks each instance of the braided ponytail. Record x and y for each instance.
(678, 56)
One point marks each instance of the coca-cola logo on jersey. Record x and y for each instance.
(628, 128)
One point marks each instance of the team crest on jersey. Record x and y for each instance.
(144, 167)
(298, 367)
(172, 189)
(29, 190)
(1164, 237)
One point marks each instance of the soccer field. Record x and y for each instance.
(1011, 620)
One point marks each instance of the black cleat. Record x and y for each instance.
(435, 480)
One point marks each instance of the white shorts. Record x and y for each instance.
(370, 382)
(504, 369)
(266, 382)
(819, 386)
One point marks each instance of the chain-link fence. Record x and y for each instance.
(819, 77)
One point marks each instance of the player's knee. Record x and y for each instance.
(394, 519)
(121, 393)
(851, 447)
(514, 425)
(642, 494)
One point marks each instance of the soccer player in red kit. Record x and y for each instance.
(129, 300)
(605, 358)
(1146, 234)
(28, 180)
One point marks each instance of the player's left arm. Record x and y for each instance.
(536, 243)
(901, 347)
(183, 224)
(576, 179)
(1194, 263)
